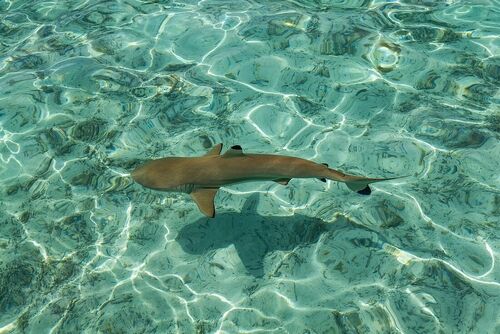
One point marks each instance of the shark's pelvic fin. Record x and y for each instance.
(215, 150)
(282, 181)
(234, 151)
(204, 198)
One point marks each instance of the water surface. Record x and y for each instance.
(90, 89)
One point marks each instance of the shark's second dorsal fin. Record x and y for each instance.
(215, 150)
(204, 198)
(234, 151)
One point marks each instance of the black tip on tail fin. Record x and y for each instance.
(365, 191)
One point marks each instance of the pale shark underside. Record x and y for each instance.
(201, 177)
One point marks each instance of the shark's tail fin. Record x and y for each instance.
(362, 186)
(359, 184)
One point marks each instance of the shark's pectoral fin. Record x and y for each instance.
(215, 150)
(282, 181)
(234, 151)
(204, 198)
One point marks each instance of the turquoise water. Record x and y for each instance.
(89, 90)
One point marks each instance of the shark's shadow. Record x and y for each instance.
(253, 235)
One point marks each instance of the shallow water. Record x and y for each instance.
(377, 88)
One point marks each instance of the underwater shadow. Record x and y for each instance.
(253, 235)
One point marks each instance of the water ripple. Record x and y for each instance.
(383, 88)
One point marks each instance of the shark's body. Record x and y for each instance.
(202, 176)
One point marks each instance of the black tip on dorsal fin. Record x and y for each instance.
(234, 151)
(365, 191)
(325, 164)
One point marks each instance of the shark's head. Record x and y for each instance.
(163, 174)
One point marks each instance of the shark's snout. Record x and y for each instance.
(149, 176)
(139, 175)
(135, 173)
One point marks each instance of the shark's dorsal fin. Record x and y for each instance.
(234, 151)
(204, 198)
(215, 150)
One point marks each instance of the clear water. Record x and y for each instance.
(90, 89)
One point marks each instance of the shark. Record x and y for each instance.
(202, 176)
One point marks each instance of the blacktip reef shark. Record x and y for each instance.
(201, 177)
